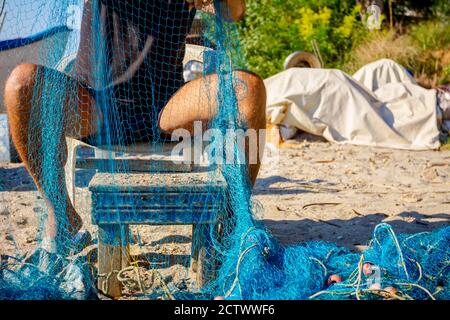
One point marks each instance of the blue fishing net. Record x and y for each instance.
(126, 59)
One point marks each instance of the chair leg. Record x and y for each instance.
(194, 248)
(112, 257)
(203, 254)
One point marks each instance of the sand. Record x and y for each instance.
(316, 191)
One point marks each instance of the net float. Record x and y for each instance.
(391, 290)
(368, 269)
(334, 278)
(375, 286)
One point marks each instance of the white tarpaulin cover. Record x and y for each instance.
(380, 106)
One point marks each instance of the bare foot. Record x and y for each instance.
(59, 231)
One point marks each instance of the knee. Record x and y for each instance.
(19, 87)
(251, 94)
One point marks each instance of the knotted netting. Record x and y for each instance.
(107, 82)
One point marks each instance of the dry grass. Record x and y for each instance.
(433, 68)
(380, 45)
(428, 60)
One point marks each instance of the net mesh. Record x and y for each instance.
(115, 80)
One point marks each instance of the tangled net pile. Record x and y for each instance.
(252, 264)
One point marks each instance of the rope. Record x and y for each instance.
(236, 279)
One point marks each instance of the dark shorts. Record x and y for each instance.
(126, 118)
(144, 40)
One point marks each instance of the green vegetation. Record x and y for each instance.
(446, 145)
(420, 40)
(273, 29)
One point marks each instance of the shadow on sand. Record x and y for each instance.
(291, 232)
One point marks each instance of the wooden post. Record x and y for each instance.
(203, 254)
(391, 15)
(112, 257)
(194, 250)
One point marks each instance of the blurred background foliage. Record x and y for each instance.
(415, 33)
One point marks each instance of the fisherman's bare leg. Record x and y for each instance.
(196, 101)
(22, 93)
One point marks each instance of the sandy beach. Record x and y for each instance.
(317, 191)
